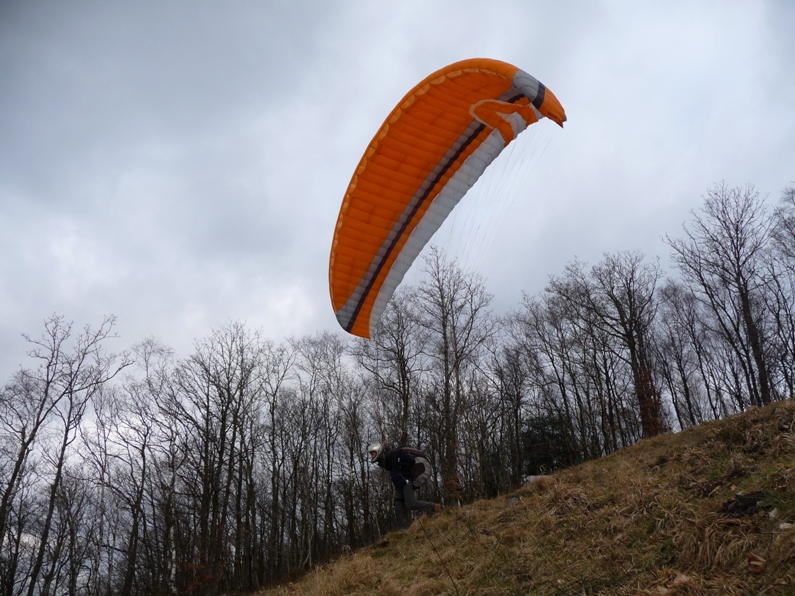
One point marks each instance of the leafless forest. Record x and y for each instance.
(144, 472)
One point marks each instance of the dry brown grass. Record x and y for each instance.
(704, 511)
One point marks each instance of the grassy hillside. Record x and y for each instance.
(706, 511)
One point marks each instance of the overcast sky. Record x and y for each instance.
(181, 164)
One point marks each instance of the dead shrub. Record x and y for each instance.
(784, 416)
(713, 541)
(348, 576)
(783, 551)
(783, 443)
(564, 499)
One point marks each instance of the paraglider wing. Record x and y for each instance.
(427, 154)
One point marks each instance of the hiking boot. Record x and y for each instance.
(437, 508)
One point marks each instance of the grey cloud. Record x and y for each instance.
(182, 164)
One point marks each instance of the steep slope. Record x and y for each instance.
(706, 511)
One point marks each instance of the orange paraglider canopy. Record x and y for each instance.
(427, 154)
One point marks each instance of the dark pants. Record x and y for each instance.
(405, 501)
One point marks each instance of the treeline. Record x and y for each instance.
(243, 463)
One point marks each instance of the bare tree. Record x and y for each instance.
(617, 297)
(71, 370)
(134, 430)
(394, 357)
(278, 363)
(453, 308)
(326, 385)
(784, 225)
(721, 258)
(512, 379)
(33, 396)
(97, 444)
(578, 381)
(215, 394)
(780, 295)
(680, 354)
(628, 313)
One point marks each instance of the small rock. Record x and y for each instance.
(681, 579)
(784, 526)
(532, 479)
(773, 513)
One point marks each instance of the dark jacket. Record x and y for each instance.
(398, 463)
